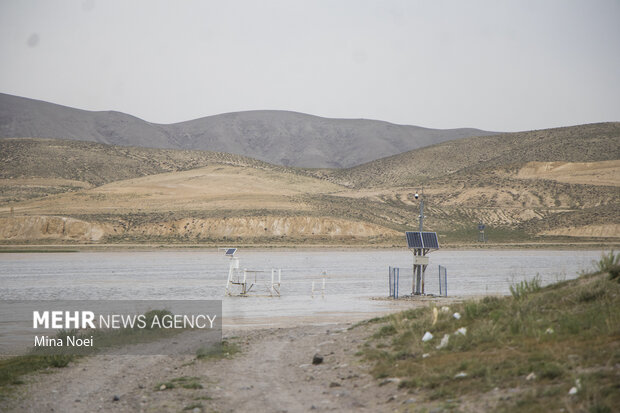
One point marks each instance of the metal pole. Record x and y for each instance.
(440, 281)
(418, 280)
(243, 290)
(397, 280)
(421, 213)
(413, 278)
(421, 269)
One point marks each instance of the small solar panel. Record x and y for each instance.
(414, 240)
(417, 239)
(429, 239)
(231, 251)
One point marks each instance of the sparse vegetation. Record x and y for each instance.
(610, 263)
(13, 368)
(184, 382)
(534, 345)
(523, 288)
(225, 349)
(193, 406)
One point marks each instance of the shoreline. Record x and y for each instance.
(67, 248)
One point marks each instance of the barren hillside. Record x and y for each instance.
(36, 167)
(543, 186)
(583, 143)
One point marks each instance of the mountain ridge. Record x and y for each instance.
(280, 137)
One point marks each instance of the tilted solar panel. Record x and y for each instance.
(417, 239)
(429, 239)
(231, 251)
(414, 240)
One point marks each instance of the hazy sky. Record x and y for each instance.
(496, 65)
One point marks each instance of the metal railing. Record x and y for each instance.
(443, 281)
(394, 278)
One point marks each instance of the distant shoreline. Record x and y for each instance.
(70, 248)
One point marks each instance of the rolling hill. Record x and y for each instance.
(278, 137)
(556, 185)
(506, 181)
(583, 143)
(71, 191)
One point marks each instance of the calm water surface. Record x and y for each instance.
(352, 276)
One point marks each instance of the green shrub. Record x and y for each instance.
(608, 262)
(525, 287)
(151, 315)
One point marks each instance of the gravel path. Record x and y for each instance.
(273, 372)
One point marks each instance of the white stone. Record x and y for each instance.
(462, 331)
(427, 336)
(457, 316)
(444, 342)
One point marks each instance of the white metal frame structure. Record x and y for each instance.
(242, 282)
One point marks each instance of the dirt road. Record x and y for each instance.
(273, 372)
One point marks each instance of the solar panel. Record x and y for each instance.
(231, 251)
(429, 239)
(413, 239)
(417, 239)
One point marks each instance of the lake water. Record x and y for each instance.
(352, 277)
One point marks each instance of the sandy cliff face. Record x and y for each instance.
(263, 227)
(27, 228)
(30, 228)
(609, 230)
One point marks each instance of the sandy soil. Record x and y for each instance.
(588, 173)
(212, 187)
(607, 230)
(273, 372)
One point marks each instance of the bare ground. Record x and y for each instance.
(273, 372)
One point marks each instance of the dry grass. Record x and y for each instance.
(587, 173)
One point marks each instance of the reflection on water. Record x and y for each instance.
(352, 276)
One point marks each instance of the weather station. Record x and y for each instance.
(245, 282)
(420, 243)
